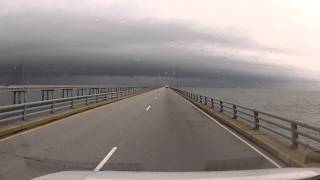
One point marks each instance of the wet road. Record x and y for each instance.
(154, 131)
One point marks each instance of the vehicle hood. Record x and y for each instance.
(262, 174)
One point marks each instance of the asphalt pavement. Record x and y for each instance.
(155, 131)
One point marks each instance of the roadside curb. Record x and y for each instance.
(20, 126)
(279, 150)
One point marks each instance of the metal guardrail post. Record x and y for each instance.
(87, 100)
(235, 112)
(52, 94)
(78, 92)
(24, 112)
(294, 136)
(201, 99)
(256, 120)
(14, 97)
(42, 95)
(25, 94)
(52, 106)
(212, 103)
(72, 103)
(221, 106)
(205, 100)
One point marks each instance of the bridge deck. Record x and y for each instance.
(155, 131)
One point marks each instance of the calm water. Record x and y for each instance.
(301, 105)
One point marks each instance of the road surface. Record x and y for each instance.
(155, 131)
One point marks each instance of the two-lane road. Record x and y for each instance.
(154, 131)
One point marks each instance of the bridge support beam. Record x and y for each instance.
(94, 91)
(82, 91)
(19, 96)
(47, 94)
(67, 92)
(103, 90)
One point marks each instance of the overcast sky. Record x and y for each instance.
(269, 38)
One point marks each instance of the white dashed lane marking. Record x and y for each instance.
(105, 159)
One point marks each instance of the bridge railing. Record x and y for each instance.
(29, 93)
(293, 132)
(24, 111)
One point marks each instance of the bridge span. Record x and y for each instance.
(155, 131)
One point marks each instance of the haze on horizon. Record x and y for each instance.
(245, 41)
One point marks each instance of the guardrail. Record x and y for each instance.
(39, 87)
(26, 110)
(22, 93)
(296, 133)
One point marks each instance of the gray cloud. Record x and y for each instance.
(34, 31)
(51, 43)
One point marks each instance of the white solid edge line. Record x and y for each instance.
(148, 108)
(238, 137)
(105, 159)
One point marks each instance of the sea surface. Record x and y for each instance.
(300, 105)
